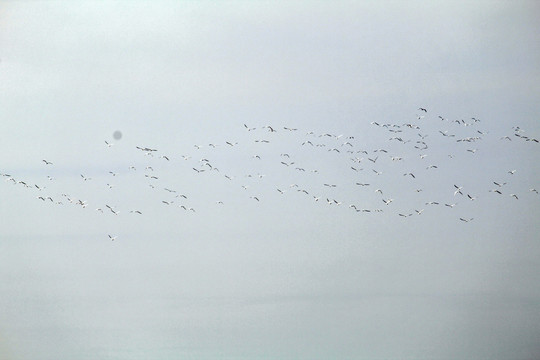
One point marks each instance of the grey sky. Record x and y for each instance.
(286, 277)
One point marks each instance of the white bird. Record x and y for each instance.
(112, 237)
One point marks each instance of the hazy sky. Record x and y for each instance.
(261, 244)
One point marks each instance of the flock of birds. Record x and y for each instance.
(355, 177)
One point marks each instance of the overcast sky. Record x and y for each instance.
(255, 229)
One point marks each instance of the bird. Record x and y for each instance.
(112, 237)
(47, 162)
